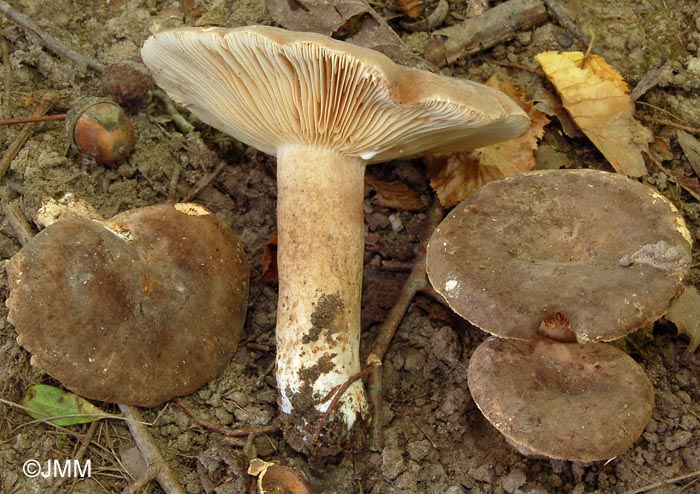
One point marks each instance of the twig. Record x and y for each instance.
(150, 452)
(18, 221)
(44, 105)
(567, 23)
(489, 29)
(180, 122)
(174, 180)
(217, 428)
(48, 40)
(662, 483)
(416, 282)
(664, 121)
(45, 118)
(84, 444)
(204, 182)
(7, 68)
(336, 393)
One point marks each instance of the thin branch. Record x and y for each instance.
(665, 121)
(48, 40)
(150, 451)
(337, 393)
(18, 221)
(417, 282)
(255, 431)
(44, 105)
(662, 483)
(84, 444)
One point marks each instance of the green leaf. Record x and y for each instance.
(59, 407)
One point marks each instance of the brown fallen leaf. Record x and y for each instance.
(660, 149)
(548, 103)
(394, 194)
(685, 314)
(453, 177)
(691, 149)
(691, 185)
(358, 23)
(595, 95)
(269, 260)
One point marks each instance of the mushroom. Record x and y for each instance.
(561, 400)
(325, 109)
(587, 254)
(137, 309)
(552, 260)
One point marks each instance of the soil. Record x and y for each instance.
(435, 438)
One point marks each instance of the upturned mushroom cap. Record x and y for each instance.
(269, 87)
(594, 253)
(136, 309)
(561, 400)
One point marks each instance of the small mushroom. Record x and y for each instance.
(561, 400)
(325, 109)
(587, 254)
(136, 309)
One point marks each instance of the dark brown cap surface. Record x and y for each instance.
(561, 400)
(136, 309)
(597, 251)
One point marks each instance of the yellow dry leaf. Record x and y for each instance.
(454, 176)
(595, 96)
(598, 66)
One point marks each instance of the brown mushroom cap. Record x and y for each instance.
(597, 251)
(136, 309)
(561, 400)
(269, 87)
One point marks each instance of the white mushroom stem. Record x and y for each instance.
(320, 226)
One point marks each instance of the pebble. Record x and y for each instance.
(393, 463)
(678, 440)
(515, 479)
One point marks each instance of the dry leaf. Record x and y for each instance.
(394, 194)
(269, 260)
(691, 149)
(685, 314)
(660, 149)
(595, 95)
(359, 23)
(550, 105)
(453, 177)
(691, 185)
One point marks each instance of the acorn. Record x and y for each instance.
(99, 128)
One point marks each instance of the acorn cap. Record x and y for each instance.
(136, 309)
(561, 400)
(593, 254)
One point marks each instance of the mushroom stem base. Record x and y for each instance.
(320, 226)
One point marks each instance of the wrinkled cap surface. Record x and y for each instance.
(591, 250)
(136, 309)
(269, 87)
(561, 400)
